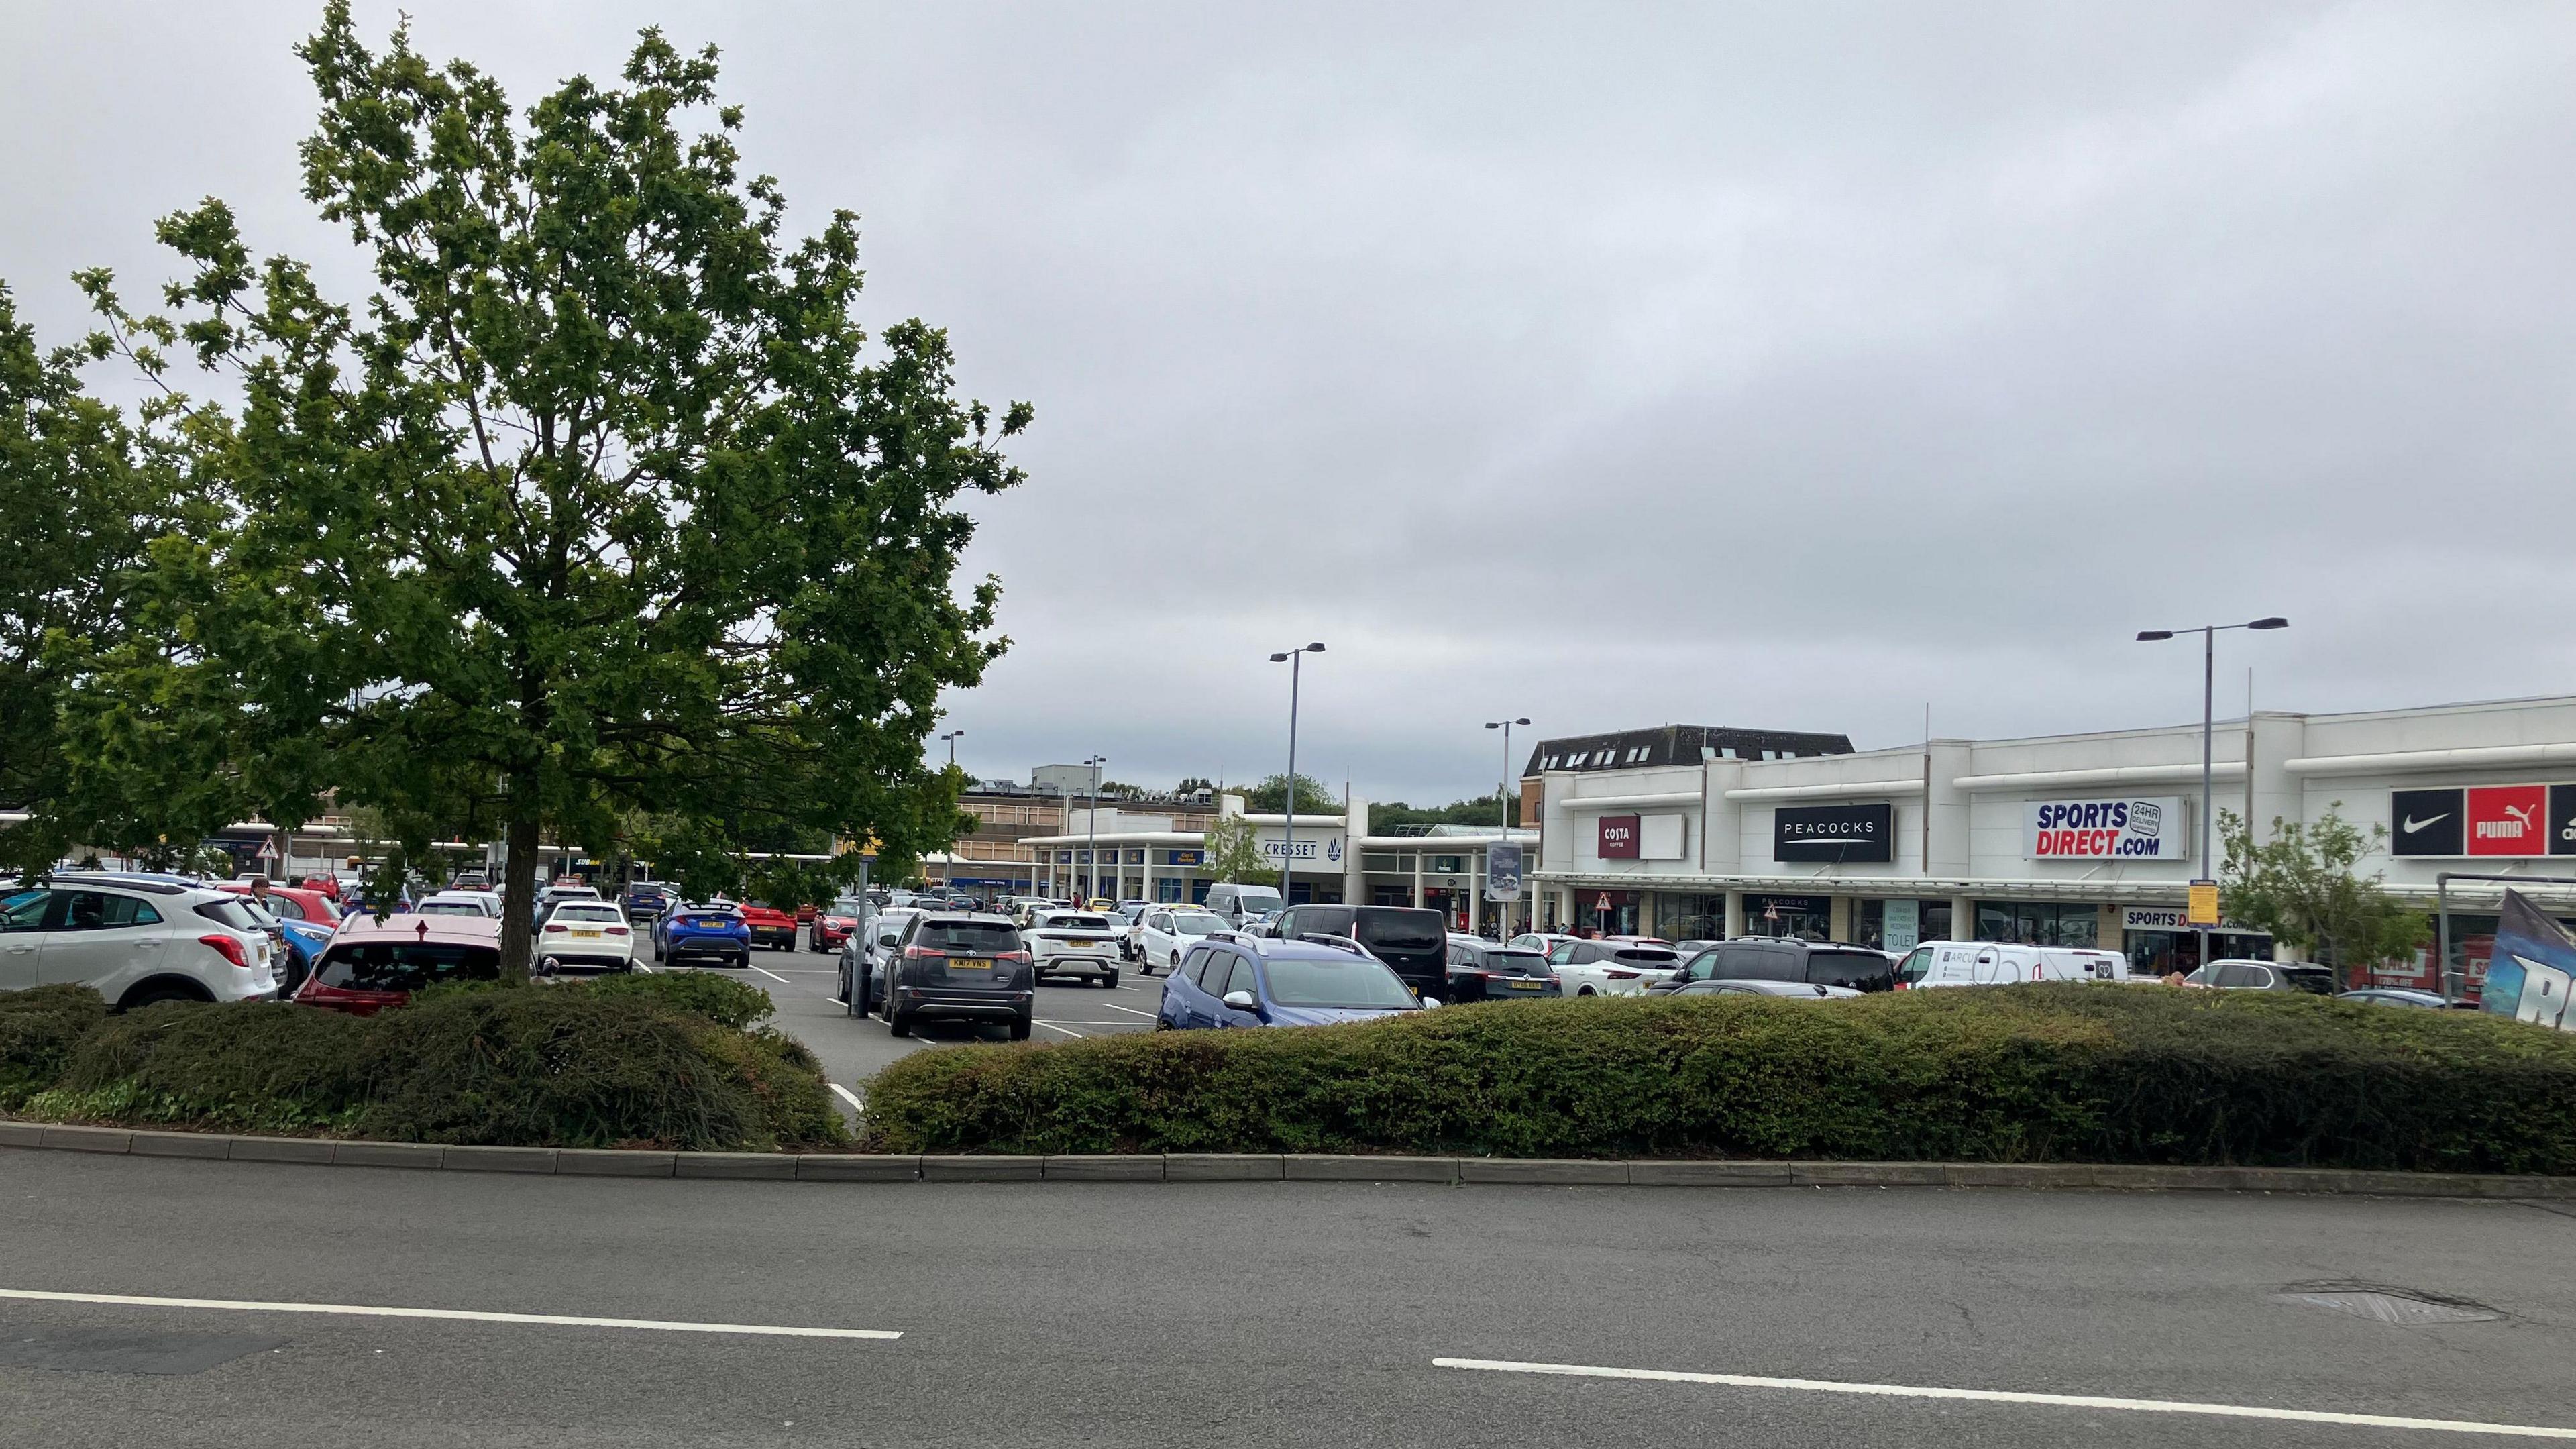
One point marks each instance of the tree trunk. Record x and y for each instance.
(519, 885)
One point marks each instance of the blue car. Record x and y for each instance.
(1259, 981)
(715, 935)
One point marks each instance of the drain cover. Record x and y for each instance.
(2403, 1306)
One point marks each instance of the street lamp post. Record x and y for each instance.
(1295, 660)
(951, 737)
(1505, 725)
(1091, 823)
(2208, 707)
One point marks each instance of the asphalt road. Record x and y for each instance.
(800, 983)
(1275, 1313)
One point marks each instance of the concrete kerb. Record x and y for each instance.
(1275, 1167)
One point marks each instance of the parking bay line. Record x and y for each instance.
(1131, 1011)
(560, 1320)
(772, 975)
(2000, 1396)
(849, 1096)
(1051, 1026)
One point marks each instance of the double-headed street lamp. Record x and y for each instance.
(1091, 823)
(1505, 725)
(2208, 706)
(1295, 660)
(952, 737)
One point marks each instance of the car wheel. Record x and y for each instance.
(156, 993)
(1021, 1028)
(898, 1023)
(1110, 980)
(1586, 991)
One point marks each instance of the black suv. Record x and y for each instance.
(1412, 941)
(1818, 963)
(957, 965)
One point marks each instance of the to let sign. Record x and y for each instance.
(1618, 839)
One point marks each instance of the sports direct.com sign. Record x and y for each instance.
(2137, 828)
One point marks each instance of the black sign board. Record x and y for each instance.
(2562, 820)
(2427, 822)
(1834, 834)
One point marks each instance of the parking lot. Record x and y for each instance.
(853, 1048)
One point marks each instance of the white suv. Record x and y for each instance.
(136, 939)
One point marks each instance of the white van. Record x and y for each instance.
(2000, 963)
(1234, 902)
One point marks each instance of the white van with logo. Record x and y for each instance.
(2001, 963)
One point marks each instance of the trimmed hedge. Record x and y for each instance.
(548, 1066)
(2058, 1072)
(39, 1028)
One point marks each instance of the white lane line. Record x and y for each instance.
(849, 1096)
(1121, 1025)
(465, 1315)
(647, 970)
(1051, 1026)
(772, 975)
(809, 971)
(1131, 1011)
(1999, 1396)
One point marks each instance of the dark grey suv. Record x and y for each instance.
(1814, 963)
(960, 966)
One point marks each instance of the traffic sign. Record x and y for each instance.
(1602, 904)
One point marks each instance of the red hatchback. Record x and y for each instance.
(299, 903)
(373, 964)
(770, 926)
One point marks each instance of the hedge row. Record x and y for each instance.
(2064, 1072)
(666, 1061)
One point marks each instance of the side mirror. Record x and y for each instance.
(1430, 1001)
(1241, 1001)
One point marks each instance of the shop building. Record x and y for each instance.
(995, 856)
(2082, 840)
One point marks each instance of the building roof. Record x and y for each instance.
(1678, 745)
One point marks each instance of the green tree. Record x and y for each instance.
(1485, 810)
(603, 501)
(84, 493)
(2301, 886)
(1193, 784)
(1232, 852)
(1270, 797)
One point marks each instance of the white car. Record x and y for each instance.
(460, 903)
(594, 934)
(1074, 943)
(1167, 935)
(136, 939)
(1612, 968)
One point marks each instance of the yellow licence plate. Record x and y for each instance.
(1086, 943)
(1525, 986)
(587, 935)
(957, 964)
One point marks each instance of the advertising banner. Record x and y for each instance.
(1904, 925)
(1834, 834)
(2483, 821)
(2149, 827)
(2532, 968)
(1618, 839)
(1502, 872)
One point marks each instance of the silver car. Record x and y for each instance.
(137, 939)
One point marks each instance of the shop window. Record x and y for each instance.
(1930, 921)
(2038, 923)
(1690, 917)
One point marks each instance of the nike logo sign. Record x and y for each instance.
(2412, 824)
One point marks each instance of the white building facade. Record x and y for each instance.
(2086, 839)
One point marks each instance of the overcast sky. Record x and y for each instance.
(1786, 366)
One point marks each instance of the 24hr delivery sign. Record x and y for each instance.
(2136, 828)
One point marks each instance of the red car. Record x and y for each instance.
(372, 965)
(831, 929)
(295, 903)
(770, 926)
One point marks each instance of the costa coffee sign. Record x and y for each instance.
(2489, 821)
(1619, 834)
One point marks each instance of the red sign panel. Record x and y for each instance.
(1618, 837)
(2509, 820)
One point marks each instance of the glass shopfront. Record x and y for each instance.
(1605, 913)
(1803, 918)
(2038, 923)
(1690, 917)
(2159, 953)
(1899, 925)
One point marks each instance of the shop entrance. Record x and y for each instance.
(2161, 953)
(1605, 913)
(1802, 918)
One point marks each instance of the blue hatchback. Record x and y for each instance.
(716, 934)
(1258, 981)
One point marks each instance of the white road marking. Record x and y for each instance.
(849, 1096)
(1125, 1025)
(465, 1315)
(647, 970)
(1051, 1026)
(1131, 1011)
(1999, 1396)
(810, 971)
(772, 975)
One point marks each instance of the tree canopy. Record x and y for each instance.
(2301, 885)
(1270, 797)
(1484, 810)
(602, 506)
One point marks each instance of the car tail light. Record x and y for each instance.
(1021, 957)
(551, 930)
(230, 947)
(923, 953)
(617, 930)
(1620, 975)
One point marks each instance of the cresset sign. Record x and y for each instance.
(2136, 828)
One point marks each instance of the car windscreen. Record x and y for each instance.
(1076, 923)
(1196, 925)
(406, 965)
(1352, 981)
(240, 915)
(967, 938)
(581, 911)
(1402, 930)
(1517, 963)
(448, 908)
(1654, 958)
(1848, 968)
